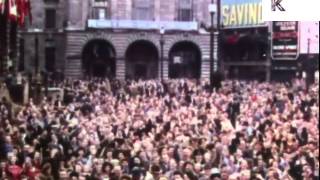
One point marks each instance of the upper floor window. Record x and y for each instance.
(143, 9)
(50, 18)
(101, 9)
(185, 10)
(50, 55)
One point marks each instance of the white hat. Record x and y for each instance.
(215, 171)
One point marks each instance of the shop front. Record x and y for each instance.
(295, 50)
(244, 40)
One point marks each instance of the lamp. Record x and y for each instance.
(162, 30)
(212, 8)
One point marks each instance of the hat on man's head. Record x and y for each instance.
(163, 178)
(136, 171)
(115, 162)
(155, 169)
(137, 160)
(125, 177)
(198, 152)
(215, 172)
(178, 173)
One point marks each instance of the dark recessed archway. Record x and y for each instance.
(142, 60)
(98, 59)
(185, 60)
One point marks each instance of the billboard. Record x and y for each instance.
(241, 13)
(285, 40)
(309, 37)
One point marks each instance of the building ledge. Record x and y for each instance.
(247, 63)
(40, 31)
(74, 29)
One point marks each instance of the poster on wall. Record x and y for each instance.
(285, 40)
(241, 13)
(309, 37)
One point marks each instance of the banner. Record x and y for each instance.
(241, 13)
(13, 10)
(24, 9)
(143, 25)
(2, 6)
(285, 40)
(17, 10)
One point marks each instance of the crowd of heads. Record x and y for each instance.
(158, 130)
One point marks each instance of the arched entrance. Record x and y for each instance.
(98, 59)
(185, 60)
(142, 60)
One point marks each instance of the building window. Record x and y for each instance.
(50, 55)
(185, 10)
(100, 13)
(101, 9)
(50, 18)
(143, 10)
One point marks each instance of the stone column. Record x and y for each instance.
(268, 73)
(166, 68)
(205, 68)
(17, 60)
(7, 62)
(120, 68)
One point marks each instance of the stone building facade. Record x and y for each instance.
(48, 22)
(119, 38)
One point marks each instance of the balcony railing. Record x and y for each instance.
(142, 25)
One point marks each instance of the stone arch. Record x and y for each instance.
(98, 36)
(142, 37)
(142, 60)
(183, 38)
(188, 64)
(98, 58)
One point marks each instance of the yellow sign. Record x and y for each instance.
(242, 15)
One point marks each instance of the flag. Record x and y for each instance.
(28, 9)
(13, 10)
(2, 6)
(23, 9)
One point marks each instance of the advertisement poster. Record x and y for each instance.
(241, 13)
(309, 37)
(285, 40)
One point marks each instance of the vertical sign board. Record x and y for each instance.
(285, 40)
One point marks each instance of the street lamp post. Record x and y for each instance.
(308, 66)
(36, 54)
(37, 71)
(212, 10)
(162, 32)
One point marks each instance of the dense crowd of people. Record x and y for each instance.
(158, 130)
